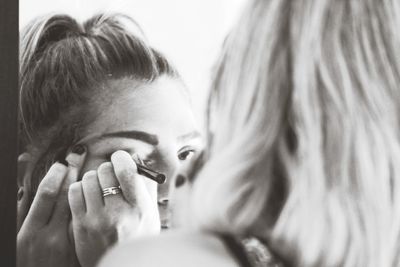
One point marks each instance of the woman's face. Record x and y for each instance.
(153, 121)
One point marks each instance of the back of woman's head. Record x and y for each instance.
(64, 66)
(304, 121)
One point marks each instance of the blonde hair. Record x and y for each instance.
(304, 132)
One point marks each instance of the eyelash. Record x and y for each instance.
(185, 152)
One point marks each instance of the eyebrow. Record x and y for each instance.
(189, 136)
(151, 139)
(137, 135)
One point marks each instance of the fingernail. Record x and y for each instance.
(180, 180)
(78, 149)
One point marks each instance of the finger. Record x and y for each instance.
(92, 192)
(75, 160)
(76, 200)
(107, 179)
(46, 196)
(132, 183)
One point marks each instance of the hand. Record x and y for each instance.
(43, 238)
(100, 222)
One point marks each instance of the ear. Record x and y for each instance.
(24, 169)
(24, 161)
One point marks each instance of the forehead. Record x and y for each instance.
(159, 107)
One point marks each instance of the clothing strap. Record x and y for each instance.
(236, 249)
(251, 251)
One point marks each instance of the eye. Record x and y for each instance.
(185, 153)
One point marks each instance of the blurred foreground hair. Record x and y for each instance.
(304, 120)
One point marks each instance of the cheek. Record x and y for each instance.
(179, 202)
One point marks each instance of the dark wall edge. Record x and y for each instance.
(8, 129)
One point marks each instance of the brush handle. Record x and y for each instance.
(153, 175)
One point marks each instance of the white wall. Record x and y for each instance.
(188, 32)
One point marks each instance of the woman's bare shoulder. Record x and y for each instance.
(174, 249)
